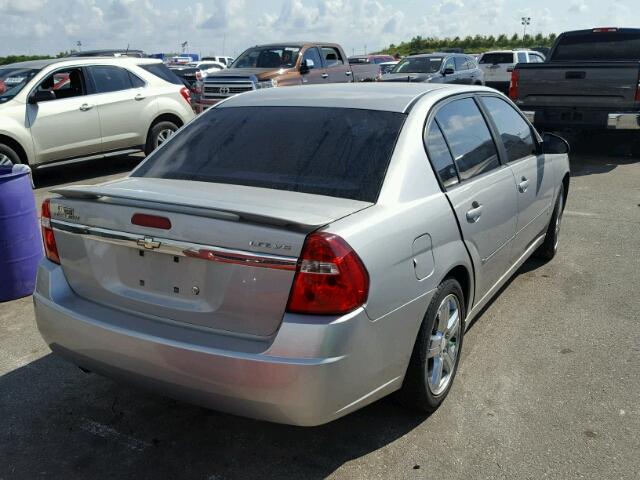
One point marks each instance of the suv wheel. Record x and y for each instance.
(8, 156)
(159, 134)
(436, 354)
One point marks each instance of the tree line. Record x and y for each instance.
(25, 58)
(470, 44)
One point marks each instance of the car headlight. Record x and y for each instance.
(267, 83)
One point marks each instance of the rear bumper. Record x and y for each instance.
(582, 119)
(500, 86)
(308, 374)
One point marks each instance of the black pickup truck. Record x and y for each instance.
(591, 80)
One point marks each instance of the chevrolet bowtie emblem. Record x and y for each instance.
(148, 243)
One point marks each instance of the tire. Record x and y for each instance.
(421, 390)
(156, 134)
(549, 248)
(8, 155)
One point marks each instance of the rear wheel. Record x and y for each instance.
(436, 353)
(8, 156)
(549, 248)
(158, 134)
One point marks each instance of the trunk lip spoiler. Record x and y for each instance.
(177, 247)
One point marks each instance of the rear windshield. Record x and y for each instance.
(160, 70)
(12, 80)
(418, 65)
(495, 58)
(337, 152)
(599, 46)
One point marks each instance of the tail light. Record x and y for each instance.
(330, 278)
(199, 75)
(186, 94)
(48, 238)
(513, 86)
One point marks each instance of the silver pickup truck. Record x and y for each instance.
(589, 81)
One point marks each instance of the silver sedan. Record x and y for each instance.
(295, 254)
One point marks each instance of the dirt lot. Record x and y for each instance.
(548, 387)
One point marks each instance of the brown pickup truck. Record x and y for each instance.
(281, 65)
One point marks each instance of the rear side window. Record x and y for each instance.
(160, 70)
(495, 58)
(110, 79)
(469, 138)
(136, 81)
(604, 46)
(331, 56)
(516, 134)
(522, 57)
(337, 152)
(440, 155)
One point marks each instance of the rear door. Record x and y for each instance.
(67, 126)
(336, 67)
(124, 104)
(534, 178)
(484, 199)
(462, 71)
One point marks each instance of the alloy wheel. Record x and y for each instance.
(163, 136)
(444, 345)
(5, 160)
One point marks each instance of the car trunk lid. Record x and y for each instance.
(226, 261)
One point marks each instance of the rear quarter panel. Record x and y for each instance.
(411, 205)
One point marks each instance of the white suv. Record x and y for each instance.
(498, 65)
(72, 108)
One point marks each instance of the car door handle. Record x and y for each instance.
(85, 106)
(473, 215)
(324, 75)
(523, 185)
(348, 74)
(139, 97)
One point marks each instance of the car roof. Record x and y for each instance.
(295, 44)
(386, 96)
(40, 64)
(434, 54)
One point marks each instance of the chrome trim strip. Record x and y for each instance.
(177, 247)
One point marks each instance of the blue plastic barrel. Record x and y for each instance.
(20, 239)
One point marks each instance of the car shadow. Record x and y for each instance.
(60, 422)
(594, 153)
(54, 175)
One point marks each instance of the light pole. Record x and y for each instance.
(526, 21)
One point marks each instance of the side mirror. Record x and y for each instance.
(449, 71)
(554, 144)
(306, 66)
(42, 96)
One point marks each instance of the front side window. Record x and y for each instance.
(450, 64)
(65, 83)
(516, 134)
(110, 79)
(312, 58)
(440, 155)
(268, 57)
(461, 63)
(418, 65)
(338, 152)
(469, 138)
(13, 80)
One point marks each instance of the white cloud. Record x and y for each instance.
(579, 6)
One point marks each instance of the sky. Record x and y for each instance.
(227, 27)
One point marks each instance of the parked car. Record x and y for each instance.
(283, 65)
(226, 61)
(72, 108)
(295, 254)
(436, 68)
(195, 71)
(590, 81)
(377, 59)
(498, 65)
(387, 67)
(117, 52)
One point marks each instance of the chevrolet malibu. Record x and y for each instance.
(295, 254)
